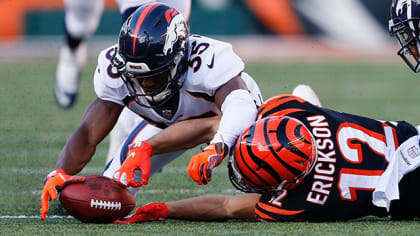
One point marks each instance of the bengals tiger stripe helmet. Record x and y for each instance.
(274, 153)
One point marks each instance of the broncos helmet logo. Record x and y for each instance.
(399, 8)
(176, 30)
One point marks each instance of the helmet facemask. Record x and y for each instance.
(238, 182)
(404, 25)
(409, 41)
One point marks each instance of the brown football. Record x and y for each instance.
(97, 200)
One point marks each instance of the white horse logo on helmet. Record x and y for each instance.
(399, 7)
(176, 29)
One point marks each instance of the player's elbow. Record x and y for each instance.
(241, 206)
(231, 209)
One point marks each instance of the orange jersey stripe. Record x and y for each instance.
(278, 210)
(263, 216)
(140, 22)
(275, 102)
(284, 112)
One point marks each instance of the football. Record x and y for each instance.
(97, 200)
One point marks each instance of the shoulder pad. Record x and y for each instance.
(108, 74)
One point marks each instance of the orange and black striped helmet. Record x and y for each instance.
(274, 153)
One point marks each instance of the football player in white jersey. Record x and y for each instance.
(165, 75)
(81, 21)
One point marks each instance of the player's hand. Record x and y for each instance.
(149, 212)
(138, 158)
(202, 164)
(54, 182)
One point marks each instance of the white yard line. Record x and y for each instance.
(151, 191)
(32, 217)
(86, 170)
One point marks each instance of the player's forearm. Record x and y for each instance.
(98, 120)
(215, 207)
(184, 135)
(76, 154)
(208, 207)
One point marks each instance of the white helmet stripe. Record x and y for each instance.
(410, 23)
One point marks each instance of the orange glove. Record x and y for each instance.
(202, 164)
(149, 212)
(54, 182)
(138, 158)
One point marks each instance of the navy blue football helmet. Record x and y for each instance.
(404, 25)
(152, 53)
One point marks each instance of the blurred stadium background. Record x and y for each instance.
(258, 29)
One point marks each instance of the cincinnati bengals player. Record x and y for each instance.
(165, 75)
(301, 162)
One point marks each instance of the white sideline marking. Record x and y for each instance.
(45, 171)
(185, 191)
(87, 170)
(33, 217)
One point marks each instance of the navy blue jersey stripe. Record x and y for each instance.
(134, 133)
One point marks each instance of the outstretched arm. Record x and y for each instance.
(181, 135)
(215, 207)
(184, 135)
(98, 120)
(239, 111)
(204, 208)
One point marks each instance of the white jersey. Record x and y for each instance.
(212, 63)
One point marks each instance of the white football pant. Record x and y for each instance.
(307, 93)
(143, 131)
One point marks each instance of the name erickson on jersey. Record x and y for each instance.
(325, 167)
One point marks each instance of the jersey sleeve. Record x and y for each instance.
(213, 63)
(107, 82)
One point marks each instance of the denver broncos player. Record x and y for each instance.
(164, 75)
(301, 162)
(404, 26)
(81, 21)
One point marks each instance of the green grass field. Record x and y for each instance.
(33, 130)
